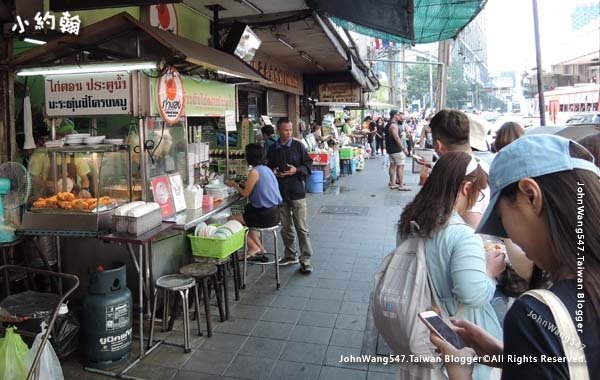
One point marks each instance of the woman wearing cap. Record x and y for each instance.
(461, 273)
(550, 207)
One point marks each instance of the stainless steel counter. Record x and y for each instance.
(191, 218)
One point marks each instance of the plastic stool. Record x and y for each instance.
(346, 167)
(181, 284)
(273, 230)
(203, 272)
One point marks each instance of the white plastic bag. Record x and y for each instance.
(49, 365)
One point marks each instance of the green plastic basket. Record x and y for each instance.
(217, 248)
(346, 153)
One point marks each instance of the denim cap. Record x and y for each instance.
(527, 157)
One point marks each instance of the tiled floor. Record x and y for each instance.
(302, 330)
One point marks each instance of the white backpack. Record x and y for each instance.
(402, 290)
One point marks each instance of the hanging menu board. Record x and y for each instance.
(87, 94)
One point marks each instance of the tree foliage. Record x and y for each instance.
(417, 79)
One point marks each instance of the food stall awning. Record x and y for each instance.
(576, 132)
(432, 20)
(119, 37)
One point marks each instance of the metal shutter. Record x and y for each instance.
(277, 104)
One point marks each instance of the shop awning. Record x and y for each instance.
(117, 37)
(432, 20)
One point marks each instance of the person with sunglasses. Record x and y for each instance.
(462, 274)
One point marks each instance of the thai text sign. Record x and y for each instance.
(205, 97)
(282, 79)
(87, 94)
(339, 93)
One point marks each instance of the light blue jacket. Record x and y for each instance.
(456, 262)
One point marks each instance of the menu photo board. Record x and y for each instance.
(161, 191)
(177, 191)
(88, 94)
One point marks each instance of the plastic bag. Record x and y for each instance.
(49, 366)
(12, 356)
(65, 339)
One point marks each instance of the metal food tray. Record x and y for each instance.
(58, 210)
(67, 220)
(141, 225)
(120, 223)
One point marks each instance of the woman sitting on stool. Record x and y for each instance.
(262, 190)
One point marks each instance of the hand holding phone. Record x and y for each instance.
(436, 324)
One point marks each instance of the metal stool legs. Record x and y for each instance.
(184, 293)
(274, 231)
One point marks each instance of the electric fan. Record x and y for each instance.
(15, 185)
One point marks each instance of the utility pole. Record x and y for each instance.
(403, 79)
(444, 58)
(392, 77)
(538, 59)
(430, 81)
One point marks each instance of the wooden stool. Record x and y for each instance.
(203, 272)
(221, 265)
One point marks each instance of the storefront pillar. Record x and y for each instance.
(294, 112)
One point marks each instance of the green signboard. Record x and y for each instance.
(202, 97)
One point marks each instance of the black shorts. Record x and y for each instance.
(261, 217)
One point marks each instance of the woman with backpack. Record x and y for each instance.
(461, 273)
(550, 207)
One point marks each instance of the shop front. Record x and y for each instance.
(278, 99)
(138, 128)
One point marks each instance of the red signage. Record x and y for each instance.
(170, 96)
(161, 191)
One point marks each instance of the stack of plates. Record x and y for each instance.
(217, 191)
(93, 140)
(76, 138)
(54, 143)
(113, 141)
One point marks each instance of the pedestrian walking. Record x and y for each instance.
(508, 132)
(379, 135)
(396, 149)
(291, 164)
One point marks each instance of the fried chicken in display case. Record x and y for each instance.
(82, 180)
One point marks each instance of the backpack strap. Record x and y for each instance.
(569, 338)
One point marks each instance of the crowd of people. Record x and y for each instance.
(539, 194)
(530, 197)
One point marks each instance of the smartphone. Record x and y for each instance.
(436, 324)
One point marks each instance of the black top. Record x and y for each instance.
(380, 130)
(527, 336)
(371, 136)
(279, 156)
(390, 144)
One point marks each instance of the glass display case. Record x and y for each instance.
(75, 188)
(168, 152)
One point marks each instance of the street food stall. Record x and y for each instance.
(127, 130)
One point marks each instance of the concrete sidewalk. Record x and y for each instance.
(301, 330)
